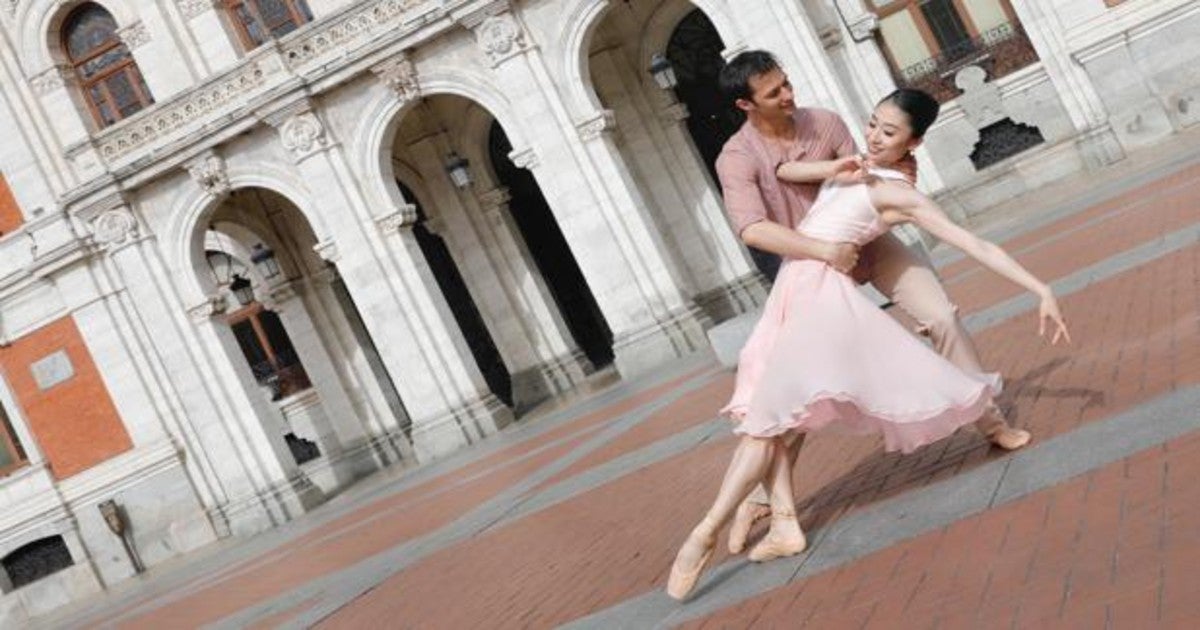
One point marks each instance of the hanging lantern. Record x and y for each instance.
(221, 265)
(457, 168)
(242, 290)
(264, 258)
(662, 71)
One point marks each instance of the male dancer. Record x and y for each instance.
(765, 211)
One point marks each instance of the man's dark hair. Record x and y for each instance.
(921, 108)
(734, 79)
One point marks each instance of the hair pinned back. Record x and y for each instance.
(921, 108)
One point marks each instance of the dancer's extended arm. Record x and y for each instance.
(748, 212)
(817, 171)
(898, 203)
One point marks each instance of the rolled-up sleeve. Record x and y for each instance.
(739, 185)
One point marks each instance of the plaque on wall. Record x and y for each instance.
(52, 370)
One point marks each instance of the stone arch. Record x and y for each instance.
(580, 25)
(476, 129)
(39, 26)
(406, 173)
(186, 242)
(385, 113)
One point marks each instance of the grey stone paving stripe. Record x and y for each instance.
(1083, 278)
(918, 512)
(1106, 190)
(335, 590)
(1063, 234)
(233, 556)
(676, 444)
(668, 447)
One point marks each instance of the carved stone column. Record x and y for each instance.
(442, 387)
(334, 426)
(658, 145)
(200, 387)
(560, 365)
(596, 204)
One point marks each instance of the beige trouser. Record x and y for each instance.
(907, 279)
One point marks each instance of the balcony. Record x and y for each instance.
(316, 51)
(999, 51)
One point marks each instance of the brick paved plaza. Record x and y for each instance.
(573, 515)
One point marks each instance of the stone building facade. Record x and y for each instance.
(253, 250)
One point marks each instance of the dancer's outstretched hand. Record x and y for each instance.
(1049, 311)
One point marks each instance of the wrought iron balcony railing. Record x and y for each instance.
(999, 51)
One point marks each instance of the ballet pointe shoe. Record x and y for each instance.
(779, 545)
(747, 514)
(684, 578)
(1009, 438)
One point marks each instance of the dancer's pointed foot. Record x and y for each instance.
(690, 562)
(784, 539)
(1009, 438)
(747, 514)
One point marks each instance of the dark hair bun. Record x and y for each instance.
(922, 109)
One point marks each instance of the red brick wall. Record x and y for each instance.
(74, 422)
(10, 213)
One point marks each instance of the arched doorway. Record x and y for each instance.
(297, 343)
(495, 253)
(694, 51)
(551, 253)
(461, 303)
(670, 139)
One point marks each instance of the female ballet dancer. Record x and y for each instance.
(823, 355)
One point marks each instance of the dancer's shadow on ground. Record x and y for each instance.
(882, 476)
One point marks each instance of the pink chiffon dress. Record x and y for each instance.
(823, 355)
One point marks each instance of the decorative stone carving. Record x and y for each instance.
(212, 306)
(209, 171)
(339, 33)
(863, 27)
(403, 216)
(524, 158)
(192, 8)
(400, 76)
(303, 134)
(981, 102)
(192, 109)
(114, 227)
(49, 80)
(495, 198)
(591, 128)
(134, 35)
(500, 37)
(328, 251)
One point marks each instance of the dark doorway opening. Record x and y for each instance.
(695, 53)
(462, 305)
(552, 254)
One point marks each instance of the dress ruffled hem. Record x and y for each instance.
(902, 431)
